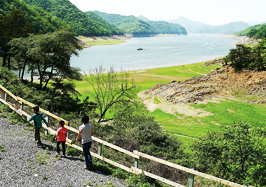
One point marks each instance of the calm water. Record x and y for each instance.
(158, 52)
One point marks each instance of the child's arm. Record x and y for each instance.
(45, 121)
(78, 136)
(31, 118)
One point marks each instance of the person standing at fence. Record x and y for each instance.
(61, 139)
(85, 132)
(38, 118)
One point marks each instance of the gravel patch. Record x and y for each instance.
(19, 163)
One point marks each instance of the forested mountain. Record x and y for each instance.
(229, 28)
(42, 21)
(70, 14)
(197, 27)
(164, 27)
(104, 23)
(128, 24)
(143, 18)
(191, 26)
(141, 25)
(257, 31)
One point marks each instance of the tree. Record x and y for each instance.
(111, 89)
(48, 54)
(12, 26)
(236, 153)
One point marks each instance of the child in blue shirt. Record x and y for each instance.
(38, 118)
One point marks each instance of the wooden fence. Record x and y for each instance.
(135, 154)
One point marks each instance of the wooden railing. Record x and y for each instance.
(135, 154)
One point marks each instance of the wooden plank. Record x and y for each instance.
(139, 171)
(191, 171)
(115, 147)
(8, 92)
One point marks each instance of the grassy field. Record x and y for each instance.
(106, 42)
(226, 111)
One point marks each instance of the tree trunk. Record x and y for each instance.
(50, 76)
(9, 66)
(31, 76)
(4, 60)
(23, 70)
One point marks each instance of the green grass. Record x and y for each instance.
(106, 42)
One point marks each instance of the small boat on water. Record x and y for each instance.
(140, 49)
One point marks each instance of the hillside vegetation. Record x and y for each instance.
(101, 21)
(70, 14)
(229, 28)
(257, 31)
(42, 21)
(134, 25)
(128, 24)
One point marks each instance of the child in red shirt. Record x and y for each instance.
(61, 138)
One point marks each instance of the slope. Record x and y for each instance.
(191, 26)
(229, 28)
(164, 27)
(257, 31)
(128, 24)
(105, 24)
(70, 14)
(42, 21)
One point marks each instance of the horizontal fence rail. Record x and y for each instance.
(135, 154)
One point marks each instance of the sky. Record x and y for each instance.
(213, 12)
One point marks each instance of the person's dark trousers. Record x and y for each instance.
(37, 136)
(63, 146)
(87, 155)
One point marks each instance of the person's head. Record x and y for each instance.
(61, 123)
(36, 109)
(85, 119)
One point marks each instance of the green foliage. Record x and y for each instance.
(51, 99)
(256, 31)
(42, 21)
(244, 57)
(73, 152)
(45, 178)
(128, 24)
(105, 24)
(163, 27)
(236, 153)
(70, 14)
(15, 118)
(2, 149)
(48, 55)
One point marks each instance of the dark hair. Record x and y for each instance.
(85, 119)
(36, 108)
(61, 122)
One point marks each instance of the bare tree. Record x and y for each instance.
(111, 89)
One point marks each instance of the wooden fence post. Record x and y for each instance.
(21, 106)
(136, 163)
(5, 97)
(191, 180)
(46, 131)
(100, 148)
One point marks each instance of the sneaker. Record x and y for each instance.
(85, 167)
(63, 156)
(56, 154)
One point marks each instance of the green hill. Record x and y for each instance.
(257, 31)
(229, 28)
(128, 24)
(141, 25)
(104, 23)
(42, 21)
(70, 14)
(164, 27)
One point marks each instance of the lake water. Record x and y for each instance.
(158, 52)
